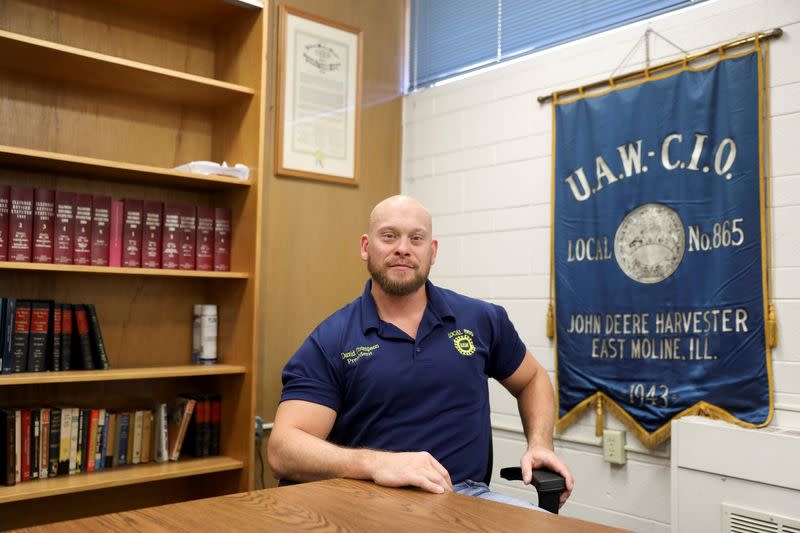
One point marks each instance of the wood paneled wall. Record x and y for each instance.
(311, 262)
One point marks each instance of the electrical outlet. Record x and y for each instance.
(614, 446)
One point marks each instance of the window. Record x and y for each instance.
(451, 37)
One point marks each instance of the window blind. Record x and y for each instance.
(452, 37)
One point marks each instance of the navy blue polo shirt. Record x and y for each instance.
(392, 392)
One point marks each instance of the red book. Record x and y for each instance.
(55, 345)
(37, 336)
(43, 216)
(5, 191)
(205, 238)
(132, 234)
(115, 235)
(170, 240)
(65, 228)
(66, 336)
(82, 254)
(202, 426)
(84, 343)
(20, 224)
(151, 234)
(91, 442)
(222, 239)
(216, 416)
(25, 444)
(20, 337)
(206, 440)
(188, 237)
(101, 215)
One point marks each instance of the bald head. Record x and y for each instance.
(398, 246)
(400, 206)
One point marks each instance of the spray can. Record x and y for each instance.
(204, 334)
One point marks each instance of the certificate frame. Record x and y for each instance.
(318, 112)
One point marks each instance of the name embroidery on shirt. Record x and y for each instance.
(358, 353)
(462, 340)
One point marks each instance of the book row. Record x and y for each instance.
(67, 228)
(40, 335)
(46, 442)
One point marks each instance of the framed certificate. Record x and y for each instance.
(319, 98)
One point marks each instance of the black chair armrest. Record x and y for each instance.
(549, 485)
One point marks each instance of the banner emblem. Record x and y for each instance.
(649, 243)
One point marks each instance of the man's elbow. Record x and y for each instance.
(275, 455)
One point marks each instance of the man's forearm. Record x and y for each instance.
(537, 410)
(299, 456)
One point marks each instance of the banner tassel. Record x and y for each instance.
(598, 421)
(550, 330)
(772, 326)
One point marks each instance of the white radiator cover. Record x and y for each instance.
(737, 519)
(734, 480)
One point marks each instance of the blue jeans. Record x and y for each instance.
(480, 490)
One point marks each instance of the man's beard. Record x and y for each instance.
(380, 274)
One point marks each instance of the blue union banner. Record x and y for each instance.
(659, 250)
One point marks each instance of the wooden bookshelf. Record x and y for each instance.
(120, 374)
(74, 65)
(117, 477)
(89, 167)
(107, 97)
(81, 269)
(198, 12)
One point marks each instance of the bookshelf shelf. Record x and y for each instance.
(118, 171)
(161, 272)
(202, 12)
(116, 477)
(67, 63)
(120, 374)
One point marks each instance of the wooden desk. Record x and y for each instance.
(333, 505)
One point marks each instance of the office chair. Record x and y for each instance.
(548, 484)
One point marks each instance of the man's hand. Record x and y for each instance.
(418, 469)
(539, 456)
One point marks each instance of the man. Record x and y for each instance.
(393, 387)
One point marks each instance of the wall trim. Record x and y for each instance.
(596, 442)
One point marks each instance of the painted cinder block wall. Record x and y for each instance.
(477, 152)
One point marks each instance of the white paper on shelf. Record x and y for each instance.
(209, 167)
(247, 3)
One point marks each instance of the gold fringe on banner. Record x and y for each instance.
(576, 412)
(772, 326)
(765, 172)
(598, 421)
(650, 440)
(551, 322)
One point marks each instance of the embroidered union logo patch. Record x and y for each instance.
(464, 345)
(462, 340)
